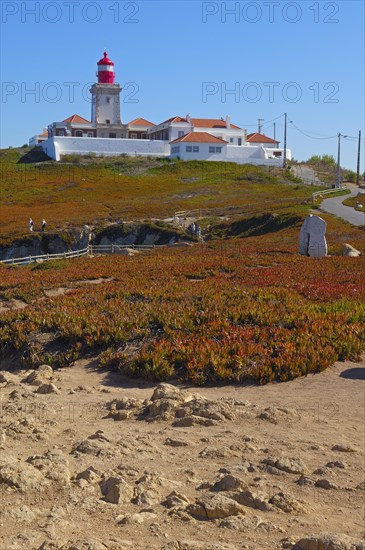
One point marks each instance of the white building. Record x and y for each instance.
(105, 133)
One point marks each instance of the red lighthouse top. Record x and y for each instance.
(106, 74)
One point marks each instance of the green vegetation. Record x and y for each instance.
(98, 191)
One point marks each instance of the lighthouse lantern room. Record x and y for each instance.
(106, 74)
(105, 102)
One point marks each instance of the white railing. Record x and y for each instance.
(89, 250)
(118, 248)
(327, 192)
(46, 257)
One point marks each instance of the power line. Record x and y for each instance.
(312, 137)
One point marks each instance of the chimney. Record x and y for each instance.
(228, 121)
(188, 118)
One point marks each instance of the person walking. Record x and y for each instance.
(44, 223)
(30, 225)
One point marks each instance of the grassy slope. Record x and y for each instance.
(103, 190)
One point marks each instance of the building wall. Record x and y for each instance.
(225, 133)
(202, 154)
(56, 146)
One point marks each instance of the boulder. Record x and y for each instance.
(40, 376)
(228, 483)
(116, 490)
(167, 391)
(289, 465)
(329, 542)
(350, 251)
(48, 388)
(211, 506)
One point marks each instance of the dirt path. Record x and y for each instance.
(263, 436)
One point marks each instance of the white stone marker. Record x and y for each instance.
(312, 237)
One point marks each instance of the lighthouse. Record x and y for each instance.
(105, 102)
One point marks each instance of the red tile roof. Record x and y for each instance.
(75, 118)
(211, 123)
(45, 133)
(199, 137)
(260, 138)
(174, 119)
(140, 122)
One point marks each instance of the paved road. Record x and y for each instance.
(334, 206)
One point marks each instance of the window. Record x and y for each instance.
(196, 149)
(108, 99)
(181, 133)
(78, 133)
(211, 149)
(107, 121)
(239, 141)
(231, 140)
(134, 136)
(61, 132)
(90, 134)
(112, 135)
(189, 149)
(218, 149)
(175, 149)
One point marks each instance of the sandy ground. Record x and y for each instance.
(316, 422)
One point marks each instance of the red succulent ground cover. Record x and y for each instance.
(222, 312)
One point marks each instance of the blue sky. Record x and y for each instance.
(249, 59)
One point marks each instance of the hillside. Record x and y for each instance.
(99, 191)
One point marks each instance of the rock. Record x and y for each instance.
(175, 499)
(48, 388)
(312, 237)
(116, 490)
(304, 480)
(124, 404)
(329, 542)
(90, 474)
(95, 444)
(167, 391)
(350, 251)
(286, 503)
(228, 483)
(119, 415)
(53, 464)
(8, 378)
(161, 409)
(188, 421)
(39, 376)
(211, 506)
(139, 517)
(336, 464)
(290, 465)
(252, 500)
(239, 523)
(325, 484)
(343, 448)
(147, 490)
(22, 476)
(175, 442)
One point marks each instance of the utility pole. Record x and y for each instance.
(274, 131)
(338, 160)
(284, 161)
(338, 179)
(358, 161)
(260, 121)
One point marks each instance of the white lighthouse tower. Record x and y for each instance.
(105, 107)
